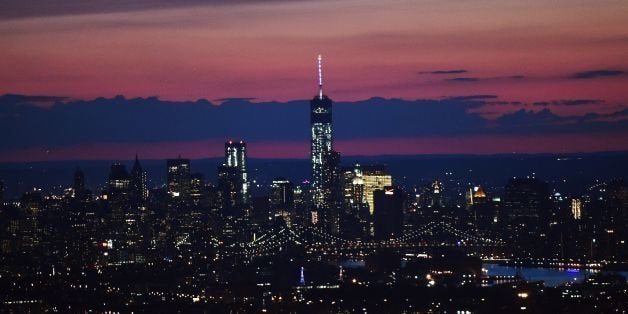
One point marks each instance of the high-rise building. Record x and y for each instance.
(328, 211)
(475, 196)
(431, 196)
(30, 226)
(228, 187)
(118, 193)
(125, 214)
(481, 210)
(526, 212)
(119, 200)
(281, 194)
(197, 189)
(613, 221)
(82, 218)
(526, 198)
(235, 159)
(374, 178)
(352, 182)
(178, 180)
(139, 188)
(232, 177)
(356, 218)
(389, 208)
(326, 190)
(303, 202)
(297, 193)
(576, 208)
(321, 145)
(233, 188)
(235, 155)
(190, 230)
(282, 198)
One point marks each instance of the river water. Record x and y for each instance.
(552, 277)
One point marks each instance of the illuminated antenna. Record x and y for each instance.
(320, 76)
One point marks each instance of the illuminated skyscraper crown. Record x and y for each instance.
(320, 76)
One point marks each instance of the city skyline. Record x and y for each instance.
(530, 241)
(193, 156)
(480, 77)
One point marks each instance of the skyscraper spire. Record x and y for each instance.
(324, 158)
(320, 77)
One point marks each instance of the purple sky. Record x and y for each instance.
(556, 73)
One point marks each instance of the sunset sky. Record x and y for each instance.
(520, 76)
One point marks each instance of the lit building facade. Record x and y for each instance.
(576, 208)
(325, 161)
(122, 218)
(374, 178)
(178, 180)
(119, 194)
(356, 219)
(475, 196)
(320, 116)
(303, 202)
(235, 160)
(233, 187)
(197, 188)
(282, 199)
(353, 186)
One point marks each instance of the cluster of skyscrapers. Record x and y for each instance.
(208, 235)
(343, 198)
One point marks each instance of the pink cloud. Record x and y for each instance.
(267, 51)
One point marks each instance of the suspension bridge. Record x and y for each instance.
(313, 240)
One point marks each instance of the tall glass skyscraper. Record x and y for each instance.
(235, 165)
(326, 197)
(320, 117)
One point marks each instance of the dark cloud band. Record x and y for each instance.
(597, 73)
(460, 71)
(151, 120)
(42, 8)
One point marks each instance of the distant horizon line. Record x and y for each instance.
(368, 157)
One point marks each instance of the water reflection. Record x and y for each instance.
(550, 276)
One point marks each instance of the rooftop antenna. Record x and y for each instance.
(320, 77)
